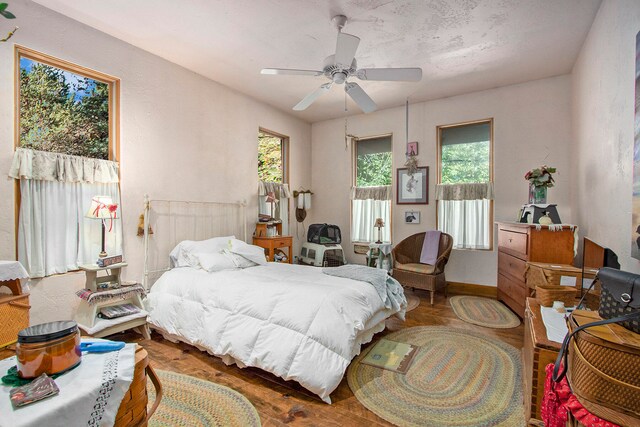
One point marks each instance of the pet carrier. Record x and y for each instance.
(322, 255)
(324, 234)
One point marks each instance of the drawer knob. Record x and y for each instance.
(510, 240)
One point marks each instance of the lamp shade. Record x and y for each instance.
(379, 223)
(102, 207)
(271, 197)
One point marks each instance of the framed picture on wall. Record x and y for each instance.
(412, 217)
(412, 148)
(412, 189)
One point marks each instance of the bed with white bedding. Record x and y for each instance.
(290, 320)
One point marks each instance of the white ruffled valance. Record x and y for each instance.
(281, 191)
(474, 191)
(382, 192)
(47, 166)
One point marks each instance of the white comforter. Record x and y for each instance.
(291, 320)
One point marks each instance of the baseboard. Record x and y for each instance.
(458, 288)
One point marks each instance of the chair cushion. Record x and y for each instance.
(416, 268)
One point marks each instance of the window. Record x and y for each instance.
(67, 122)
(273, 176)
(465, 177)
(371, 194)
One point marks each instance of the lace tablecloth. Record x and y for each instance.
(90, 394)
(11, 270)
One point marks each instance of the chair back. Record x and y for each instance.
(409, 250)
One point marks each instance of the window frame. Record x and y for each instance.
(439, 130)
(354, 179)
(284, 149)
(114, 109)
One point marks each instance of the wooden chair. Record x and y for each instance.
(408, 270)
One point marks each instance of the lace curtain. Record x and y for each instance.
(56, 191)
(464, 213)
(283, 194)
(368, 204)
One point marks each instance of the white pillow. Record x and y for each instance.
(250, 252)
(216, 262)
(183, 254)
(238, 260)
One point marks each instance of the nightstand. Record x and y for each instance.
(270, 244)
(87, 314)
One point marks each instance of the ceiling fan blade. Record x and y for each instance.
(360, 97)
(287, 71)
(310, 99)
(390, 74)
(346, 47)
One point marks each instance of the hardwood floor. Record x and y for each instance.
(282, 403)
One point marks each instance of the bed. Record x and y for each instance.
(293, 321)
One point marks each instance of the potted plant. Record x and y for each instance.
(539, 180)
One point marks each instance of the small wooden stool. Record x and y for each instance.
(133, 408)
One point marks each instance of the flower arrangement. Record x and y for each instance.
(541, 177)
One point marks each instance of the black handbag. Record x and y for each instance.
(619, 296)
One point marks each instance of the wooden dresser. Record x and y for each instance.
(537, 353)
(519, 243)
(271, 244)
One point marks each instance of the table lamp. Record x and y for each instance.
(103, 208)
(379, 224)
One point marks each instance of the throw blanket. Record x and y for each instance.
(430, 246)
(122, 292)
(389, 289)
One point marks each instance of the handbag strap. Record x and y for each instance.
(563, 353)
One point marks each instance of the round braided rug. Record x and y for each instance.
(485, 312)
(413, 300)
(189, 401)
(457, 378)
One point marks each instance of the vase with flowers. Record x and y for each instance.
(539, 180)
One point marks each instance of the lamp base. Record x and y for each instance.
(378, 242)
(102, 254)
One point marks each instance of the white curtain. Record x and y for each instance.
(55, 193)
(363, 218)
(53, 234)
(282, 193)
(467, 221)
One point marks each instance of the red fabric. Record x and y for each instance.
(558, 400)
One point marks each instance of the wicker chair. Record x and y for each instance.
(408, 270)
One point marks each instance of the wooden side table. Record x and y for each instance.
(86, 316)
(270, 244)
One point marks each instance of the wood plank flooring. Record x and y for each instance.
(282, 403)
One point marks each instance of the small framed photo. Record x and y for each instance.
(412, 217)
(412, 148)
(412, 189)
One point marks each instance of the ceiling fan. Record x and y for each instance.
(341, 66)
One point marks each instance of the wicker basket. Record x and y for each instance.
(14, 317)
(133, 407)
(546, 295)
(602, 373)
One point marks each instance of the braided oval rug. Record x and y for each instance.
(486, 312)
(457, 378)
(189, 401)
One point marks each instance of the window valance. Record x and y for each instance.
(280, 190)
(474, 191)
(382, 192)
(47, 166)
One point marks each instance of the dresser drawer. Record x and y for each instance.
(513, 243)
(280, 243)
(516, 289)
(511, 266)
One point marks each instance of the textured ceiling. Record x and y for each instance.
(461, 45)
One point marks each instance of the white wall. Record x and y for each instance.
(603, 118)
(531, 127)
(182, 137)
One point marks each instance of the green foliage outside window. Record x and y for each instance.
(465, 163)
(373, 169)
(270, 167)
(63, 112)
